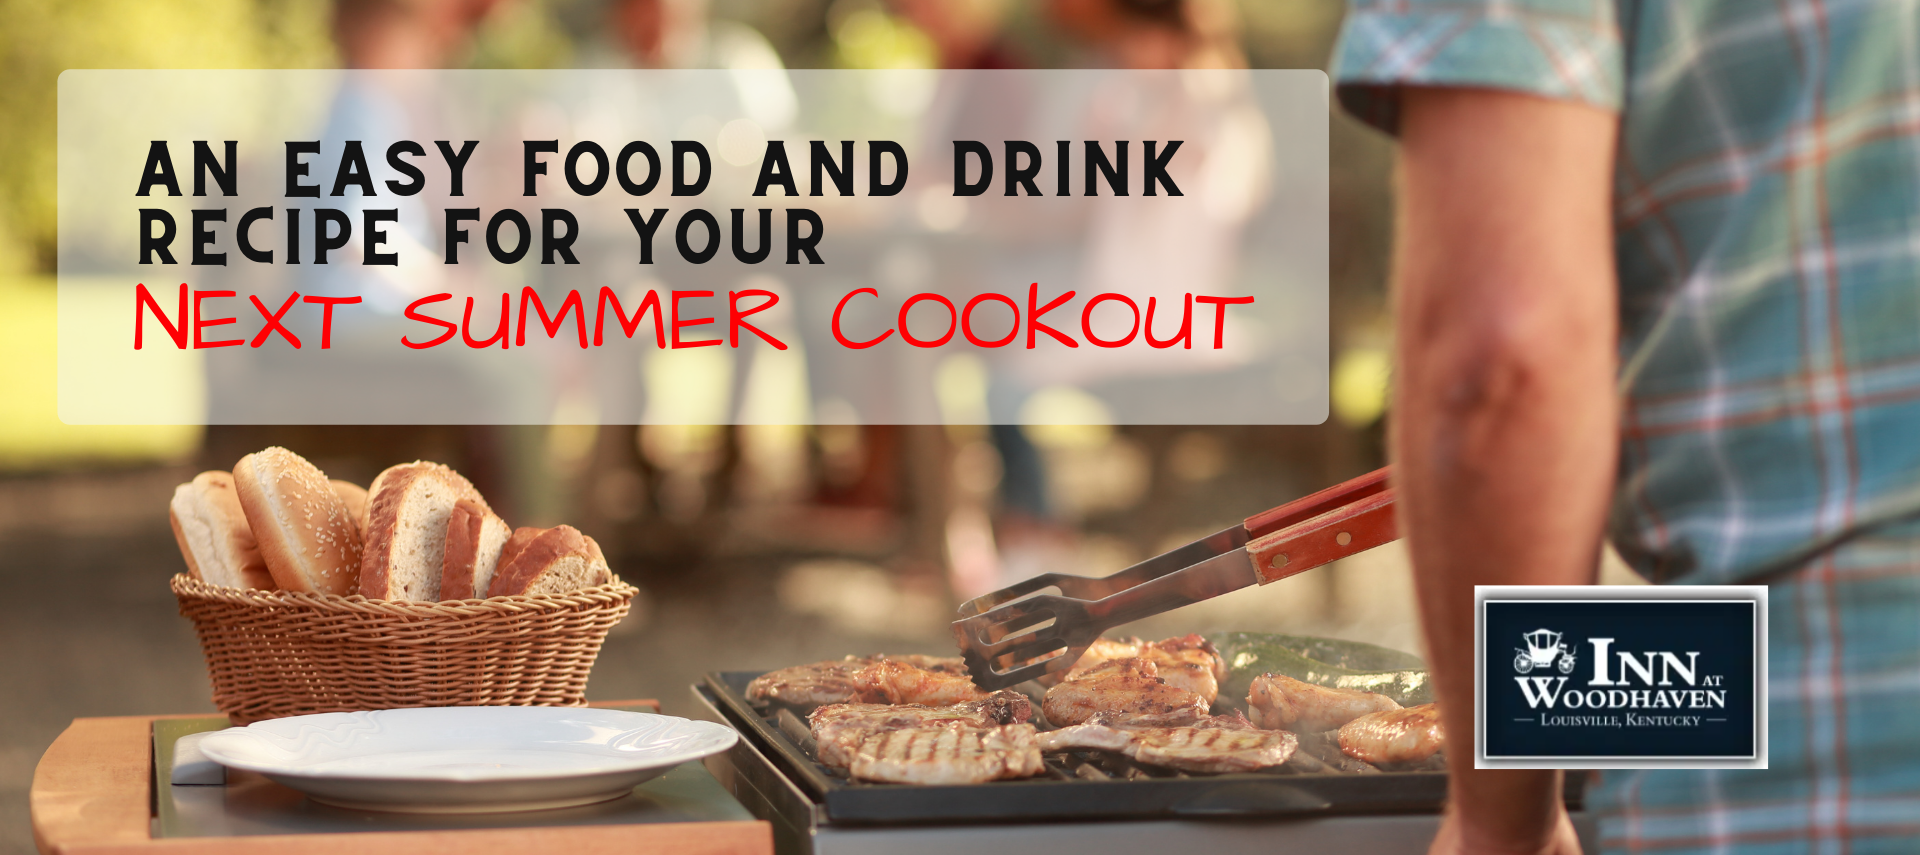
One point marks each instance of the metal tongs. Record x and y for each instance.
(1019, 633)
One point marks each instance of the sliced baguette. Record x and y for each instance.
(406, 537)
(213, 534)
(302, 526)
(475, 537)
(554, 561)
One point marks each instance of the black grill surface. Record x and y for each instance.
(1081, 786)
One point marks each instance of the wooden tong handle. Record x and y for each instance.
(1334, 523)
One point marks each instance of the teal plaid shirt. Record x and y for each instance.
(1767, 234)
(1767, 216)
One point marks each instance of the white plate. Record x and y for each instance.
(467, 759)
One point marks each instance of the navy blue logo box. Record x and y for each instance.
(1621, 677)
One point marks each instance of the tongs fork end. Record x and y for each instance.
(1014, 635)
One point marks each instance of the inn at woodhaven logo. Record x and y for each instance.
(1621, 677)
(1653, 673)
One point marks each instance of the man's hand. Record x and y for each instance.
(1505, 418)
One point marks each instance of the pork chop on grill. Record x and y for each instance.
(830, 682)
(869, 679)
(1395, 737)
(1189, 662)
(839, 729)
(1125, 690)
(951, 754)
(1279, 702)
(1212, 744)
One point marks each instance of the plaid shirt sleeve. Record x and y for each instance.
(1567, 49)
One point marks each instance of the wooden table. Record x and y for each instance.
(93, 794)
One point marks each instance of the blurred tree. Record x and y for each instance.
(797, 28)
(1295, 34)
(532, 34)
(867, 35)
(38, 40)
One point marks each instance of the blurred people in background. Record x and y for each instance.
(1188, 244)
(667, 494)
(964, 33)
(1000, 525)
(378, 35)
(405, 33)
(682, 34)
(1184, 245)
(1152, 33)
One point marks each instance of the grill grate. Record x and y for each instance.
(1083, 785)
(1318, 754)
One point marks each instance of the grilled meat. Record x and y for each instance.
(950, 665)
(1212, 744)
(1280, 702)
(830, 682)
(869, 679)
(1126, 690)
(1395, 737)
(892, 681)
(1189, 662)
(951, 754)
(839, 729)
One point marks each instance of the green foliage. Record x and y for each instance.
(527, 34)
(32, 437)
(40, 39)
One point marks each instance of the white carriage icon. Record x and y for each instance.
(1543, 648)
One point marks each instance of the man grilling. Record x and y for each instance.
(1658, 274)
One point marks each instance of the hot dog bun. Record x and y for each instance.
(303, 528)
(214, 537)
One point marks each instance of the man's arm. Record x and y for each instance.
(1505, 418)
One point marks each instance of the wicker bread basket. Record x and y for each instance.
(273, 654)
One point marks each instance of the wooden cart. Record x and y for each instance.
(95, 792)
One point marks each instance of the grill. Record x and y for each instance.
(774, 772)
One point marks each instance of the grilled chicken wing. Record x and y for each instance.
(869, 679)
(1212, 744)
(839, 729)
(1189, 662)
(1126, 690)
(1394, 737)
(952, 754)
(1280, 702)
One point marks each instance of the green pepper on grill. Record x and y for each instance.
(1322, 661)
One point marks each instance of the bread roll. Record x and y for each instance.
(406, 535)
(593, 552)
(515, 543)
(213, 533)
(475, 537)
(302, 526)
(356, 498)
(557, 561)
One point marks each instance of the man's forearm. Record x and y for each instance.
(1505, 415)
